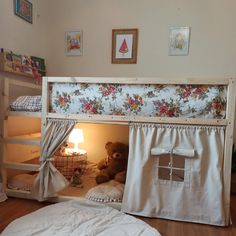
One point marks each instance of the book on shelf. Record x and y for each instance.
(21, 64)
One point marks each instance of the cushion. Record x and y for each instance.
(111, 191)
(22, 182)
(27, 103)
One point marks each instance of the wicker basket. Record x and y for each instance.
(66, 164)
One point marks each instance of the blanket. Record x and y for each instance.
(83, 218)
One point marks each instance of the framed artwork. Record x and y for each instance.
(74, 43)
(179, 41)
(124, 46)
(24, 9)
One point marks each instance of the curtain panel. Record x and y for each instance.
(175, 172)
(49, 180)
(3, 196)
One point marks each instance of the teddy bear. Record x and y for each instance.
(115, 165)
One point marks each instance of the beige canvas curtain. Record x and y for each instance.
(175, 172)
(50, 180)
(3, 196)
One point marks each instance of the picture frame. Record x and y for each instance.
(24, 9)
(74, 43)
(179, 41)
(124, 46)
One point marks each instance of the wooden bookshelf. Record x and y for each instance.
(4, 67)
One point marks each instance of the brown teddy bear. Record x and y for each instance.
(115, 165)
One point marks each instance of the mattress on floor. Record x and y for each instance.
(78, 218)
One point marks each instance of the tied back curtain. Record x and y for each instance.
(50, 180)
(3, 196)
(198, 196)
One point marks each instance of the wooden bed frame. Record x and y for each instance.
(228, 122)
(28, 140)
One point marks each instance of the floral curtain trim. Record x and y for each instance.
(147, 100)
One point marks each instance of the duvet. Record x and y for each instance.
(78, 218)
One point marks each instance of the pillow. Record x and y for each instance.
(111, 191)
(22, 182)
(27, 103)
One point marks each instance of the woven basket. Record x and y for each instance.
(66, 164)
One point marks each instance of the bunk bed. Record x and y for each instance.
(190, 118)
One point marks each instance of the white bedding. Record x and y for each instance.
(78, 218)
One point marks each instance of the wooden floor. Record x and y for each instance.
(14, 208)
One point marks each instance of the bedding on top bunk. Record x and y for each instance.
(27, 103)
(190, 101)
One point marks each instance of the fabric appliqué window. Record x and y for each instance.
(173, 165)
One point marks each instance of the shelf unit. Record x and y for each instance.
(9, 66)
(20, 132)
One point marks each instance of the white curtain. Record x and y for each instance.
(197, 195)
(49, 180)
(3, 196)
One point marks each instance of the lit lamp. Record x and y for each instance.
(76, 137)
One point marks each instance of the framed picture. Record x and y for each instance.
(74, 43)
(24, 9)
(179, 41)
(124, 46)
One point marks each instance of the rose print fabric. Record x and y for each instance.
(147, 100)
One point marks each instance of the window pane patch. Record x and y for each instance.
(164, 173)
(172, 167)
(164, 160)
(178, 161)
(178, 175)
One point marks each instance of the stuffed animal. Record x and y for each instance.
(115, 165)
(76, 178)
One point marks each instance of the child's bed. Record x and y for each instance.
(168, 119)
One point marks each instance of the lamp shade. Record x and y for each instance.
(76, 136)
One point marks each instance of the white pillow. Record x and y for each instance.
(111, 191)
(22, 182)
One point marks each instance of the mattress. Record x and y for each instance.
(78, 218)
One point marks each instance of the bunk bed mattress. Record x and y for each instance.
(77, 218)
(190, 101)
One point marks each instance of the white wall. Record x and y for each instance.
(212, 45)
(20, 36)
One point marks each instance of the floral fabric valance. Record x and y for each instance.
(147, 100)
